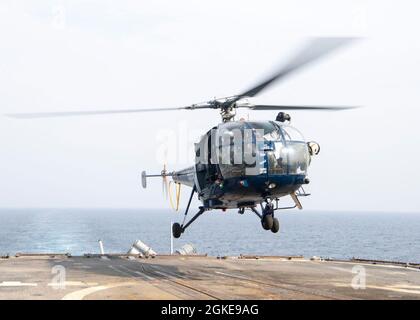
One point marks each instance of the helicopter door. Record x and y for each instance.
(200, 167)
(206, 171)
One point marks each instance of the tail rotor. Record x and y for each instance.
(166, 186)
(165, 182)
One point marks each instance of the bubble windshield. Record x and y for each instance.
(276, 149)
(288, 155)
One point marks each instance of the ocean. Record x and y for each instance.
(383, 236)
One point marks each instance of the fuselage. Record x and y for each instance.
(241, 163)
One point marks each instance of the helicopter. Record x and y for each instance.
(242, 164)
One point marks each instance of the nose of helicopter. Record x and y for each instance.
(281, 183)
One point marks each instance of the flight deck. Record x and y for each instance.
(114, 276)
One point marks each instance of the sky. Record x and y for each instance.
(87, 55)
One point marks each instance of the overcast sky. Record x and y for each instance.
(86, 55)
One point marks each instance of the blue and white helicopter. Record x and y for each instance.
(245, 164)
(280, 156)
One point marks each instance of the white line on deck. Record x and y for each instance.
(17, 284)
(81, 294)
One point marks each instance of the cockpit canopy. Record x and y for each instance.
(245, 148)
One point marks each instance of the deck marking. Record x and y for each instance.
(395, 288)
(80, 294)
(403, 289)
(17, 284)
(376, 265)
(233, 275)
(74, 284)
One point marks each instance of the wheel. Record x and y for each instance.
(276, 225)
(267, 222)
(176, 230)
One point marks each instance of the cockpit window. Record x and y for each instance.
(276, 149)
(266, 130)
(291, 133)
(268, 127)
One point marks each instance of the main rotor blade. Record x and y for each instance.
(97, 112)
(288, 107)
(314, 50)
